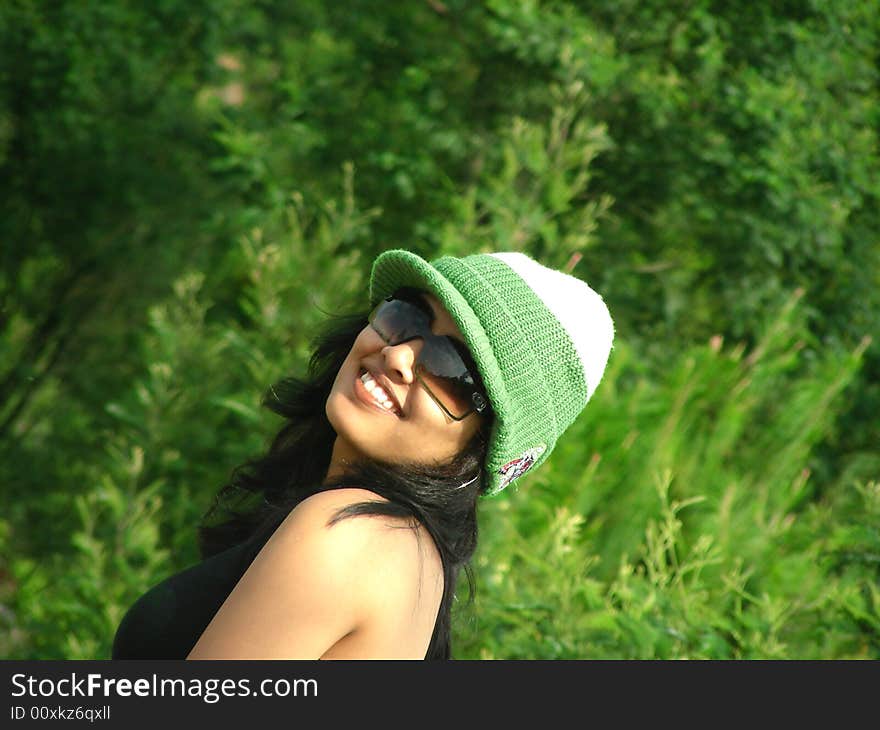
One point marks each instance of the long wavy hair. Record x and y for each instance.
(262, 491)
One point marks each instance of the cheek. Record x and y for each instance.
(429, 415)
(367, 341)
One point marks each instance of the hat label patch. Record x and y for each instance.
(519, 466)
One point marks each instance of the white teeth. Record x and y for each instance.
(377, 391)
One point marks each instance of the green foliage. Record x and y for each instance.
(187, 189)
(678, 521)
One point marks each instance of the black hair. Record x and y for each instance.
(263, 490)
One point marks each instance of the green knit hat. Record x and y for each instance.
(540, 338)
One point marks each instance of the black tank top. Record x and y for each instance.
(167, 621)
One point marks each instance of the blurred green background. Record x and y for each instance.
(188, 187)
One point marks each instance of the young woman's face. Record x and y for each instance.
(420, 432)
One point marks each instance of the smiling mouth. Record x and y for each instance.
(368, 399)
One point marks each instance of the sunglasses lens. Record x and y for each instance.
(439, 362)
(446, 375)
(398, 321)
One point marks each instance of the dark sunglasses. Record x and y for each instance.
(443, 366)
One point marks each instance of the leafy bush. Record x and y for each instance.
(678, 520)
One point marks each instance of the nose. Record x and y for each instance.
(401, 359)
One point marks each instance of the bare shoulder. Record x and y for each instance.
(359, 586)
(321, 510)
(328, 502)
(377, 548)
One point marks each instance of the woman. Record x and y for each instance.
(460, 380)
